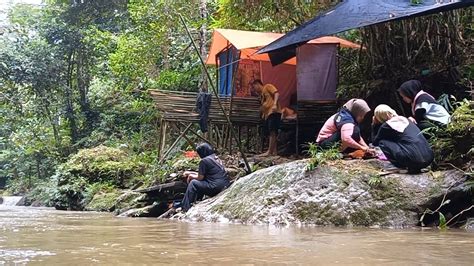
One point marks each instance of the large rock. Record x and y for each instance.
(346, 193)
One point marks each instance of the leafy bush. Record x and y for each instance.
(454, 144)
(103, 164)
(94, 171)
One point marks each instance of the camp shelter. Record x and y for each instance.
(306, 83)
(234, 52)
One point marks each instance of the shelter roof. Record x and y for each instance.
(248, 42)
(352, 14)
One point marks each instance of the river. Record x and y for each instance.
(42, 236)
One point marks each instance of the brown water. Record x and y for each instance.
(48, 237)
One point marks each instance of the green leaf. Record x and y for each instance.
(442, 221)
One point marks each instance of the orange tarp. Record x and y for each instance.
(248, 42)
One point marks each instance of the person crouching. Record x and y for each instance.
(344, 127)
(400, 140)
(210, 180)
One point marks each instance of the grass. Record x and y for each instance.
(320, 156)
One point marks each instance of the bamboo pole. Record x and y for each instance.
(248, 170)
(175, 143)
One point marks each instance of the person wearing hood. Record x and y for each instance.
(400, 140)
(210, 180)
(425, 110)
(344, 127)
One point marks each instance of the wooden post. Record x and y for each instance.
(160, 138)
(163, 138)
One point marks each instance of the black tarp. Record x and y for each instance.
(351, 14)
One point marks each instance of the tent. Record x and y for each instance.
(352, 14)
(314, 74)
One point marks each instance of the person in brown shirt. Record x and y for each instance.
(271, 112)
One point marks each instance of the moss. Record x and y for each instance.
(369, 216)
(385, 189)
(103, 201)
(307, 211)
(454, 143)
(103, 164)
(315, 213)
(128, 200)
(435, 190)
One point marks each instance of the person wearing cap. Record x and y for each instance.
(400, 140)
(210, 180)
(344, 127)
(425, 110)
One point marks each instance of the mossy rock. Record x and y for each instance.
(128, 200)
(341, 193)
(103, 201)
(103, 164)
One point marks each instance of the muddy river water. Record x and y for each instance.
(39, 236)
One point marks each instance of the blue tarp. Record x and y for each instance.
(228, 62)
(351, 14)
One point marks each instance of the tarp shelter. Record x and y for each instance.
(313, 74)
(351, 14)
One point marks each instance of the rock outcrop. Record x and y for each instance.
(341, 193)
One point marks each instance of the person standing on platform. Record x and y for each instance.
(271, 113)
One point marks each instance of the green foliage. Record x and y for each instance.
(68, 194)
(266, 15)
(320, 156)
(43, 192)
(453, 144)
(73, 77)
(375, 180)
(103, 164)
(442, 221)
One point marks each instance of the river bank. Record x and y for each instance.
(336, 193)
(46, 236)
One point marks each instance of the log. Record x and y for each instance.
(175, 185)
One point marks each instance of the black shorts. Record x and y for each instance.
(272, 124)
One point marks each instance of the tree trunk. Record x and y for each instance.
(203, 41)
(82, 77)
(70, 115)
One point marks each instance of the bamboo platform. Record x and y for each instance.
(179, 116)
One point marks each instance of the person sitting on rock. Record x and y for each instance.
(400, 140)
(425, 110)
(344, 127)
(210, 180)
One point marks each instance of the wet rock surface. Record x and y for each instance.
(342, 193)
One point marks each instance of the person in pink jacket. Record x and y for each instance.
(344, 127)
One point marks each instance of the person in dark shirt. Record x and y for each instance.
(400, 140)
(425, 110)
(210, 180)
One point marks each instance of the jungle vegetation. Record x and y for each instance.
(74, 77)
